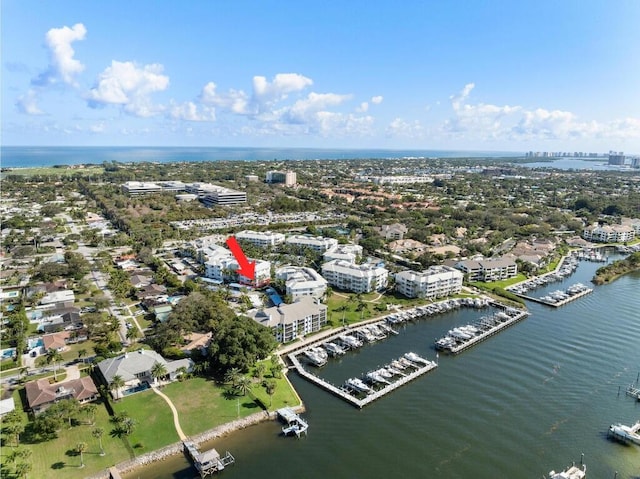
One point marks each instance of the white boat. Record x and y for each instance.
(394, 371)
(375, 376)
(398, 365)
(333, 348)
(350, 341)
(573, 472)
(625, 433)
(358, 385)
(416, 359)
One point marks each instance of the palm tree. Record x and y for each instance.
(54, 356)
(82, 353)
(80, 448)
(244, 385)
(270, 386)
(158, 370)
(23, 468)
(232, 376)
(97, 433)
(116, 383)
(90, 411)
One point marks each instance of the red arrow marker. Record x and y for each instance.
(247, 268)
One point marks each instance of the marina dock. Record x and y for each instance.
(351, 396)
(633, 391)
(460, 339)
(208, 462)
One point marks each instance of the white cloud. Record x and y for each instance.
(63, 66)
(402, 128)
(127, 84)
(28, 103)
(280, 87)
(363, 108)
(191, 111)
(235, 101)
(308, 109)
(376, 100)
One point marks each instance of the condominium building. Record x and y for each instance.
(493, 269)
(358, 278)
(288, 178)
(435, 282)
(261, 238)
(345, 252)
(400, 180)
(290, 321)
(301, 282)
(609, 233)
(225, 269)
(316, 243)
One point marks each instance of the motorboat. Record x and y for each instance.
(358, 385)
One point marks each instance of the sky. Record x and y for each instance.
(497, 75)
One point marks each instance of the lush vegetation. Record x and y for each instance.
(610, 272)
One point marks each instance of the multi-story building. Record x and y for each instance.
(223, 197)
(344, 252)
(316, 243)
(358, 278)
(609, 233)
(493, 269)
(616, 158)
(225, 269)
(301, 282)
(263, 239)
(288, 178)
(435, 282)
(400, 180)
(290, 321)
(395, 231)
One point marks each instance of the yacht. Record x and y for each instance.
(376, 377)
(573, 472)
(358, 385)
(624, 433)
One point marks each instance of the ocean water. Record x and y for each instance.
(531, 399)
(23, 156)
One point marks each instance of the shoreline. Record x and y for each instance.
(176, 448)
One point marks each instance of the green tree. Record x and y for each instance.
(98, 432)
(54, 356)
(23, 468)
(270, 386)
(116, 384)
(158, 371)
(80, 448)
(244, 385)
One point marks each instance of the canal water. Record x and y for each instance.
(531, 399)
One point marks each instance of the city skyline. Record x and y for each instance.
(516, 76)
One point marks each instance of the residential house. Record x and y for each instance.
(135, 370)
(41, 394)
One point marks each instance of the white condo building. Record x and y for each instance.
(288, 178)
(220, 265)
(609, 233)
(434, 282)
(301, 282)
(493, 269)
(261, 238)
(316, 243)
(344, 252)
(290, 321)
(358, 278)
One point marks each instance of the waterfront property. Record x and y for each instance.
(358, 278)
(135, 370)
(434, 282)
(289, 321)
(300, 282)
(41, 394)
(294, 424)
(493, 269)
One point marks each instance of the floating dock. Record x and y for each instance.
(352, 397)
(294, 423)
(484, 329)
(208, 462)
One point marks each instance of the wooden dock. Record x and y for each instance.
(208, 462)
(369, 398)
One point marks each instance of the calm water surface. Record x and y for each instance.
(531, 399)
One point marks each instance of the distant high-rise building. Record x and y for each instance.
(289, 178)
(616, 158)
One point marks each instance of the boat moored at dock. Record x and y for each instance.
(625, 434)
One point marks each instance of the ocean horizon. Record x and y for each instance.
(42, 156)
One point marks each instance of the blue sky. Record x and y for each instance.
(476, 75)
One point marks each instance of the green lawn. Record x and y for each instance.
(500, 284)
(56, 458)
(154, 421)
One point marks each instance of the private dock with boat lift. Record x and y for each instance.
(208, 462)
(294, 423)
